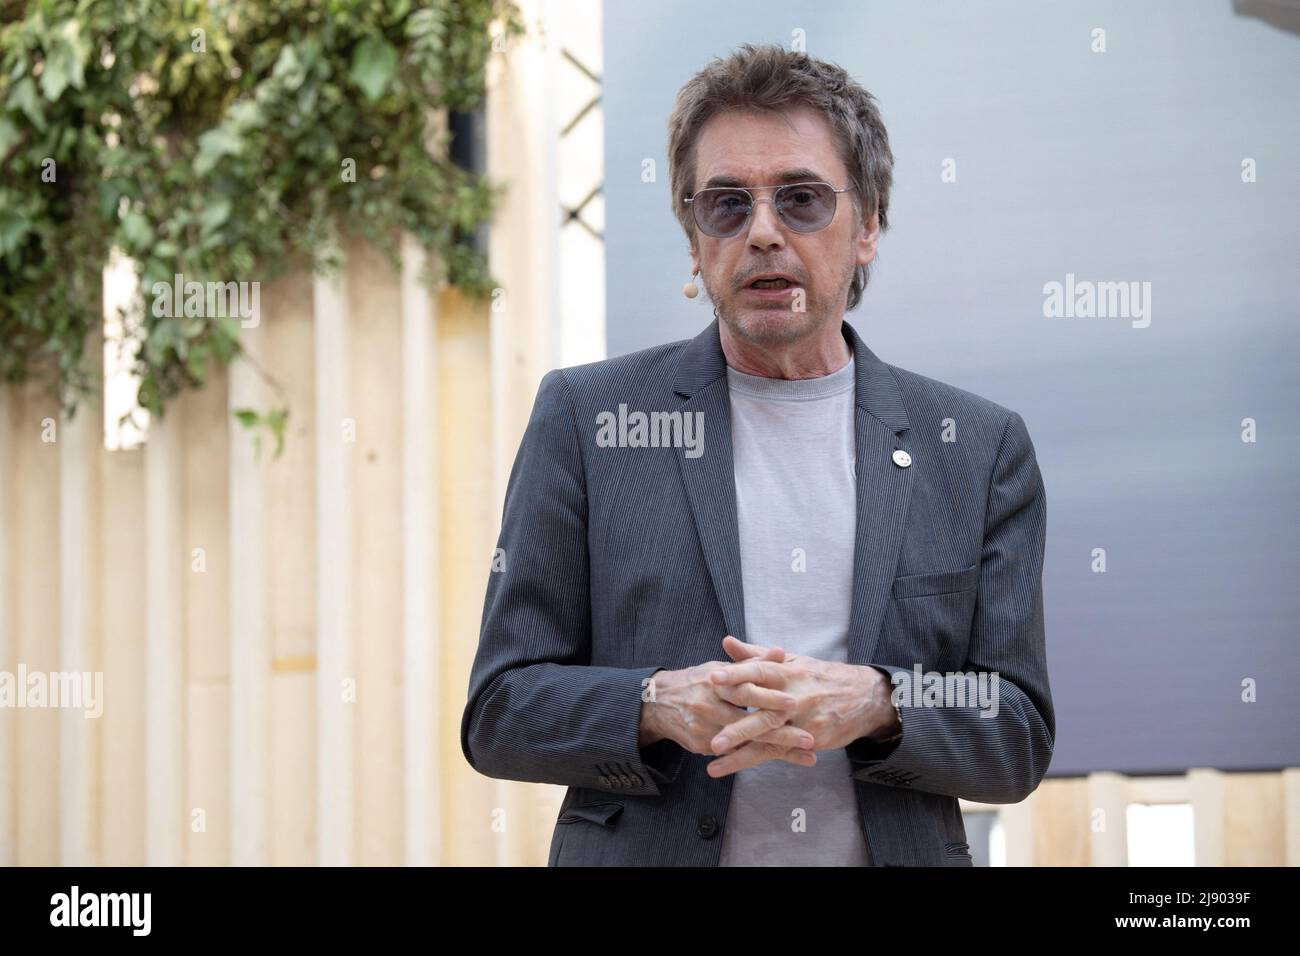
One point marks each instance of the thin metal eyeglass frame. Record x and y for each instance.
(754, 201)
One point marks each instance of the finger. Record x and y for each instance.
(767, 673)
(752, 695)
(738, 650)
(799, 757)
(747, 728)
(788, 735)
(755, 753)
(750, 755)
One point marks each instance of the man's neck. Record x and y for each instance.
(815, 357)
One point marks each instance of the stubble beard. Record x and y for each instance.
(773, 326)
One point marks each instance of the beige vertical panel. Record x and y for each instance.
(1205, 788)
(80, 438)
(250, 633)
(1059, 827)
(165, 568)
(375, 332)
(1108, 845)
(121, 812)
(470, 514)
(8, 648)
(522, 131)
(287, 312)
(1254, 819)
(206, 576)
(522, 134)
(293, 810)
(1291, 799)
(421, 646)
(1020, 824)
(208, 798)
(335, 710)
(36, 617)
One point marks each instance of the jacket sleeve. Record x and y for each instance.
(538, 710)
(970, 751)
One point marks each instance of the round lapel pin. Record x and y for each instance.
(902, 459)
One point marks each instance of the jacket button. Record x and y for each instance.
(707, 828)
(604, 782)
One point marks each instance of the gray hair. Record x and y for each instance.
(770, 78)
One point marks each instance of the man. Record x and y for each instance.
(726, 561)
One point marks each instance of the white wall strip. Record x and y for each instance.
(421, 647)
(79, 441)
(335, 787)
(250, 640)
(164, 642)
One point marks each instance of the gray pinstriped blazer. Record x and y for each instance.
(620, 561)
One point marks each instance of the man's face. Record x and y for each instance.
(759, 149)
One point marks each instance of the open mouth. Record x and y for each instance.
(772, 285)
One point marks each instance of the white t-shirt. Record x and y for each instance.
(796, 502)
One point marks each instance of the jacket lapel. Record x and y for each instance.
(883, 488)
(710, 479)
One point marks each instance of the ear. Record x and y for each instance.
(865, 247)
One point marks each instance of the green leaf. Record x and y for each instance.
(197, 364)
(275, 420)
(215, 144)
(214, 215)
(9, 134)
(161, 338)
(63, 62)
(374, 62)
(109, 195)
(57, 73)
(247, 417)
(13, 230)
(244, 115)
(23, 96)
(136, 230)
(289, 68)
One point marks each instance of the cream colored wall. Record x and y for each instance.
(216, 698)
(226, 738)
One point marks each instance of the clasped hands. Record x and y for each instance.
(803, 705)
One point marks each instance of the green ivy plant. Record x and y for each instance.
(224, 142)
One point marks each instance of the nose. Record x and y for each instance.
(765, 228)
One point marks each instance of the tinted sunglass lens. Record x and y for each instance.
(721, 212)
(806, 206)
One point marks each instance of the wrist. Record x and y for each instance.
(886, 722)
(891, 729)
(648, 733)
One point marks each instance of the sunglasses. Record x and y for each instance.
(722, 211)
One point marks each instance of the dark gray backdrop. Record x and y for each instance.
(1116, 166)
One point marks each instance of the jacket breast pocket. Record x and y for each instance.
(929, 619)
(936, 582)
